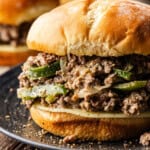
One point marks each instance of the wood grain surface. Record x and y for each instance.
(7, 143)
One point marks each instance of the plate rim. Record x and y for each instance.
(20, 138)
(28, 141)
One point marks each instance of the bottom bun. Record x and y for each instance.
(64, 124)
(10, 55)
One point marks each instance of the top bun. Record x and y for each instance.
(64, 1)
(93, 27)
(14, 12)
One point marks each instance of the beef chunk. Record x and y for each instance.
(145, 139)
(104, 101)
(135, 103)
(87, 75)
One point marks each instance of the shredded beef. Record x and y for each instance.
(110, 79)
(103, 101)
(86, 72)
(135, 103)
(41, 59)
(14, 35)
(79, 77)
(145, 139)
(24, 81)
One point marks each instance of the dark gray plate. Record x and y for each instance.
(15, 122)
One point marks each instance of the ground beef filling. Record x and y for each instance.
(14, 35)
(90, 81)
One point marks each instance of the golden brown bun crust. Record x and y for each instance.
(15, 12)
(64, 1)
(11, 58)
(88, 27)
(64, 124)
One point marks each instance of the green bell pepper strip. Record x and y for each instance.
(123, 74)
(130, 86)
(48, 91)
(43, 71)
(50, 98)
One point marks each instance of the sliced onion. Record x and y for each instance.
(91, 90)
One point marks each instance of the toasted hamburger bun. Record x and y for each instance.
(103, 129)
(14, 13)
(64, 1)
(87, 27)
(101, 28)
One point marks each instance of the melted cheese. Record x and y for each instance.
(86, 114)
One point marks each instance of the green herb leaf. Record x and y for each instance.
(123, 74)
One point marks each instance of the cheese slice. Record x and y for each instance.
(86, 114)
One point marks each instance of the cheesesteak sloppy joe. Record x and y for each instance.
(16, 17)
(91, 79)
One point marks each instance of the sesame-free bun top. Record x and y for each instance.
(93, 27)
(14, 12)
(64, 1)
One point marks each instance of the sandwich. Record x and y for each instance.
(91, 77)
(16, 17)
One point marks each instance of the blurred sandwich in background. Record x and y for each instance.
(16, 17)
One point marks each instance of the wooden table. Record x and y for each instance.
(7, 143)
